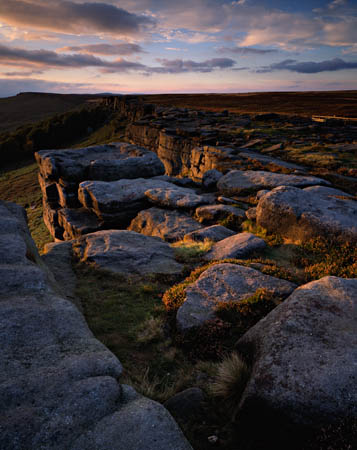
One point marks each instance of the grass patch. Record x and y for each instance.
(21, 186)
(270, 238)
(188, 252)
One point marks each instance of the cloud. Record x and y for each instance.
(106, 49)
(336, 4)
(331, 65)
(73, 18)
(13, 56)
(181, 66)
(245, 51)
(23, 73)
(45, 59)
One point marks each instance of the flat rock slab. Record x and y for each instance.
(301, 214)
(240, 245)
(238, 181)
(101, 162)
(118, 201)
(305, 353)
(224, 283)
(213, 213)
(59, 386)
(175, 197)
(123, 251)
(213, 233)
(169, 225)
(269, 160)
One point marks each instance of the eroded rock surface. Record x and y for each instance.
(238, 181)
(128, 252)
(305, 354)
(213, 213)
(59, 385)
(224, 283)
(168, 225)
(175, 197)
(302, 214)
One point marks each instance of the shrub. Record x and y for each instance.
(191, 251)
(320, 257)
(270, 239)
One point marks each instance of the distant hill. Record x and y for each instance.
(338, 103)
(30, 107)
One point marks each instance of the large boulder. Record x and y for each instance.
(304, 355)
(240, 245)
(101, 162)
(118, 202)
(123, 251)
(302, 214)
(224, 283)
(238, 181)
(59, 386)
(168, 225)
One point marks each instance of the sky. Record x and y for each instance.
(162, 46)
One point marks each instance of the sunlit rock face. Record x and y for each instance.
(224, 283)
(300, 214)
(304, 355)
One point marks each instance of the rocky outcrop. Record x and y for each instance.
(175, 197)
(238, 181)
(240, 245)
(61, 171)
(127, 252)
(302, 214)
(224, 283)
(59, 386)
(169, 225)
(304, 355)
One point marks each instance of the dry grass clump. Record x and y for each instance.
(150, 330)
(231, 379)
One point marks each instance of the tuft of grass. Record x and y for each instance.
(231, 379)
(187, 252)
(270, 238)
(150, 330)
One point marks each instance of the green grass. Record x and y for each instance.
(21, 186)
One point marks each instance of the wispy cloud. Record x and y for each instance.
(292, 65)
(245, 51)
(105, 49)
(181, 66)
(74, 18)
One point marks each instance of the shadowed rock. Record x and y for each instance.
(224, 283)
(123, 251)
(238, 181)
(304, 355)
(302, 214)
(59, 385)
(240, 245)
(168, 225)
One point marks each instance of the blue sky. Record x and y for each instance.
(153, 46)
